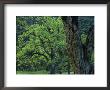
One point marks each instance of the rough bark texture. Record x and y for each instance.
(77, 52)
(70, 29)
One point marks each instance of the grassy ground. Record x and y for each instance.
(37, 72)
(31, 72)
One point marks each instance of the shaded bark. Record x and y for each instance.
(90, 46)
(77, 52)
(70, 31)
(52, 66)
(68, 67)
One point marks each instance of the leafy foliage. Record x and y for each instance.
(41, 45)
(37, 42)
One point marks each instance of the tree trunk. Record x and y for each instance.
(70, 30)
(68, 67)
(76, 51)
(52, 66)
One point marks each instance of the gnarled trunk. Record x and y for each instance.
(70, 31)
(76, 51)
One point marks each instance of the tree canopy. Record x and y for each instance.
(42, 43)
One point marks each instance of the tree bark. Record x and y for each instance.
(70, 30)
(76, 51)
(52, 67)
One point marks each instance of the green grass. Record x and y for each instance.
(31, 72)
(37, 72)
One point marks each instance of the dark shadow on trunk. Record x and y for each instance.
(78, 52)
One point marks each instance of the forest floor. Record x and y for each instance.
(31, 72)
(37, 72)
